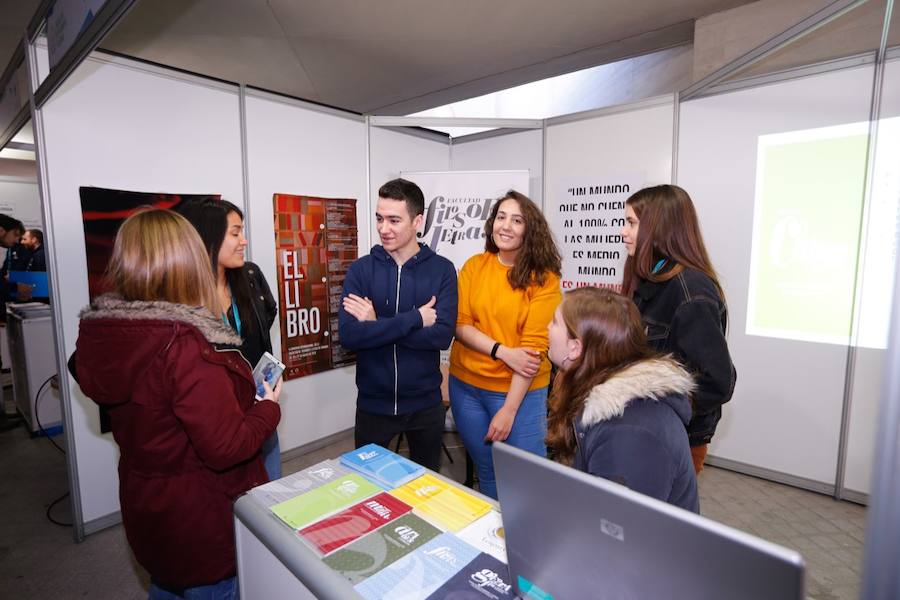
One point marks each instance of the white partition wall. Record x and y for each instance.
(392, 152)
(19, 198)
(869, 363)
(785, 416)
(609, 143)
(297, 148)
(501, 152)
(121, 125)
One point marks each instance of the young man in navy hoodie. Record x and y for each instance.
(398, 313)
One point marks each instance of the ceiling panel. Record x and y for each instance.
(390, 56)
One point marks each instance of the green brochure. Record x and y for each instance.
(373, 552)
(306, 508)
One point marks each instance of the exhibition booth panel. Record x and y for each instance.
(791, 357)
(504, 150)
(593, 162)
(877, 274)
(797, 204)
(118, 124)
(295, 148)
(391, 151)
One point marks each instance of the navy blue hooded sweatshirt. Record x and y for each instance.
(398, 360)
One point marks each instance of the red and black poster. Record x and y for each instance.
(315, 243)
(102, 212)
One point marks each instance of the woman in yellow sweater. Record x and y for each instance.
(499, 372)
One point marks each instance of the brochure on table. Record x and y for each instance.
(393, 529)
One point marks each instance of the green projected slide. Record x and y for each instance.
(806, 225)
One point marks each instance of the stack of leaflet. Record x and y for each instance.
(298, 483)
(445, 567)
(487, 535)
(387, 469)
(370, 554)
(300, 511)
(340, 529)
(441, 502)
(396, 544)
(483, 578)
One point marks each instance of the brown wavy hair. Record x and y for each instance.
(669, 229)
(612, 339)
(538, 255)
(158, 255)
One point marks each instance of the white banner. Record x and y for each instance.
(587, 215)
(457, 204)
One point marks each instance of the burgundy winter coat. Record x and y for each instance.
(181, 404)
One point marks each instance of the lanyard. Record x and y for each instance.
(237, 316)
(658, 266)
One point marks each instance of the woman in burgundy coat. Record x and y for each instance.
(181, 402)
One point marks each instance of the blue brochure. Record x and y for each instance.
(421, 573)
(382, 466)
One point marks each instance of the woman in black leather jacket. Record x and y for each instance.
(671, 279)
(245, 300)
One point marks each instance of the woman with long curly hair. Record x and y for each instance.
(669, 276)
(618, 409)
(498, 372)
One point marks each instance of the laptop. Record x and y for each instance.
(570, 535)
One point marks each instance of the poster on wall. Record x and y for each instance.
(457, 204)
(315, 243)
(586, 215)
(102, 213)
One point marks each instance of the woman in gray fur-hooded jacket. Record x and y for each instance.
(618, 410)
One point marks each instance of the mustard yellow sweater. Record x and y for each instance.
(515, 318)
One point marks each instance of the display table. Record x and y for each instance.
(31, 349)
(275, 562)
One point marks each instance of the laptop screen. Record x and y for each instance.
(573, 535)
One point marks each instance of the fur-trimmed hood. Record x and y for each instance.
(119, 340)
(112, 306)
(657, 379)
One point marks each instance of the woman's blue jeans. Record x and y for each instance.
(227, 589)
(271, 455)
(473, 408)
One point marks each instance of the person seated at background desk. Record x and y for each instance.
(618, 408)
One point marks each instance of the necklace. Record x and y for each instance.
(500, 260)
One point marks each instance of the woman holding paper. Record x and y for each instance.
(618, 408)
(498, 373)
(181, 402)
(245, 301)
(671, 279)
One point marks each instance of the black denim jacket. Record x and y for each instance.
(685, 316)
(265, 309)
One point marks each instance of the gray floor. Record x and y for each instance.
(40, 560)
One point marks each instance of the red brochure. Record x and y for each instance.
(339, 529)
